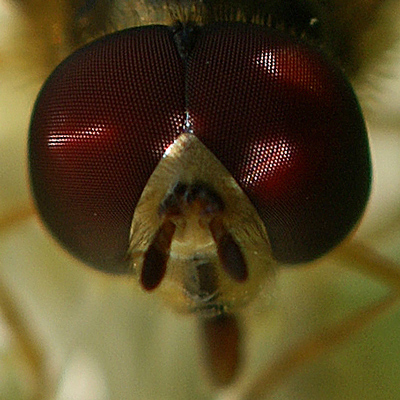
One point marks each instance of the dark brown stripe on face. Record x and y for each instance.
(156, 257)
(202, 284)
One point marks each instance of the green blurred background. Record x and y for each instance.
(102, 339)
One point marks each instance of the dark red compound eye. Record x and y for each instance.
(101, 124)
(275, 112)
(285, 122)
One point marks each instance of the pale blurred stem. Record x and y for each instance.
(24, 339)
(14, 217)
(22, 334)
(368, 262)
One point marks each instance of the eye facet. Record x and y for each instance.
(246, 149)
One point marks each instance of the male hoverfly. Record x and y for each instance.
(200, 150)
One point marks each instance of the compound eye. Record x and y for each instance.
(286, 124)
(100, 125)
(279, 117)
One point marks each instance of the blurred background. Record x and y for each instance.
(70, 333)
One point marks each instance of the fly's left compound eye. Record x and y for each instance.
(198, 160)
(101, 124)
(286, 124)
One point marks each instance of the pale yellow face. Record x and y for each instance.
(196, 277)
(98, 337)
